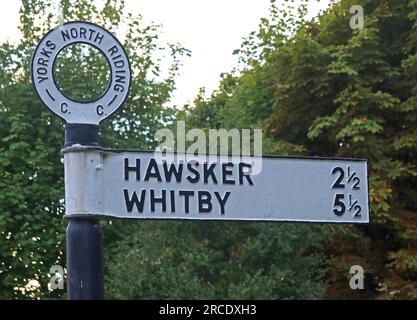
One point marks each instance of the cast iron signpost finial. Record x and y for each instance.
(84, 235)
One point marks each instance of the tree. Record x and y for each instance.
(31, 171)
(373, 115)
(216, 260)
(324, 89)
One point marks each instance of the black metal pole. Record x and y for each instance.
(85, 260)
(84, 241)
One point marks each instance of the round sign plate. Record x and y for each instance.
(43, 62)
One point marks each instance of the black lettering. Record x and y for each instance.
(64, 107)
(42, 70)
(74, 32)
(222, 201)
(65, 35)
(99, 37)
(153, 173)
(173, 171)
(186, 195)
(133, 168)
(162, 200)
(46, 53)
(118, 88)
(42, 79)
(99, 110)
(209, 172)
(113, 50)
(119, 64)
(226, 172)
(245, 174)
(83, 31)
(204, 198)
(134, 201)
(120, 79)
(193, 171)
(172, 194)
(51, 45)
(43, 62)
(91, 33)
(338, 184)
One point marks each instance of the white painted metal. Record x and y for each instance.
(43, 72)
(286, 189)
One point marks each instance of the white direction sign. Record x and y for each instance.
(43, 63)
(128, 184)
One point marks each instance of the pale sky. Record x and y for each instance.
(210, 29)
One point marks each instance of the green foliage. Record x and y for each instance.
(368, 120)
(82, 82)
(31, 170)
(321, 88)
(212, 260)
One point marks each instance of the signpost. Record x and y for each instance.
(133, 185)
(84, 235)
(106, 183)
